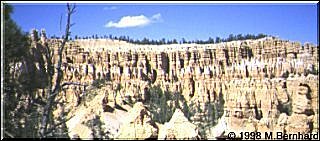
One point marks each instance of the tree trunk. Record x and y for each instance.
(52, 93)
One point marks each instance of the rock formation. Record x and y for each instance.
(263, 85)
(138, 125)
(178, 128)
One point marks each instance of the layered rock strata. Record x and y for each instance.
(262, 85)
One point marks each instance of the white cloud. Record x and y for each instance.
(156, 17)
(134, 21)
(130, 21)
(110, 8)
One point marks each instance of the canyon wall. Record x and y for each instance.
(261, 85)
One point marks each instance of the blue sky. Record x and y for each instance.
(296, 22)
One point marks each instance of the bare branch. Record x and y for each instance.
(71, 8)
(66, 84)
(53, 94)
(9, 134)
(51, 98)
(39, 102)
(58, 124)
(72, 24)
(73, 83)
(60, 23)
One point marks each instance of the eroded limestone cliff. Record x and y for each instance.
(164, 91)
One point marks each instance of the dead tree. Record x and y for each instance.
(53, 91)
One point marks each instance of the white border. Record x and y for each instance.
(120, 2)
(2, 65)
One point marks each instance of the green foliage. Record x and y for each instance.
(98, 83)
(162, 104)
(16, 42)
(163, 41)
(16, 45)
(23, 101)
(158, 105)
(17, 96)
(90, 96)
(95, 125)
